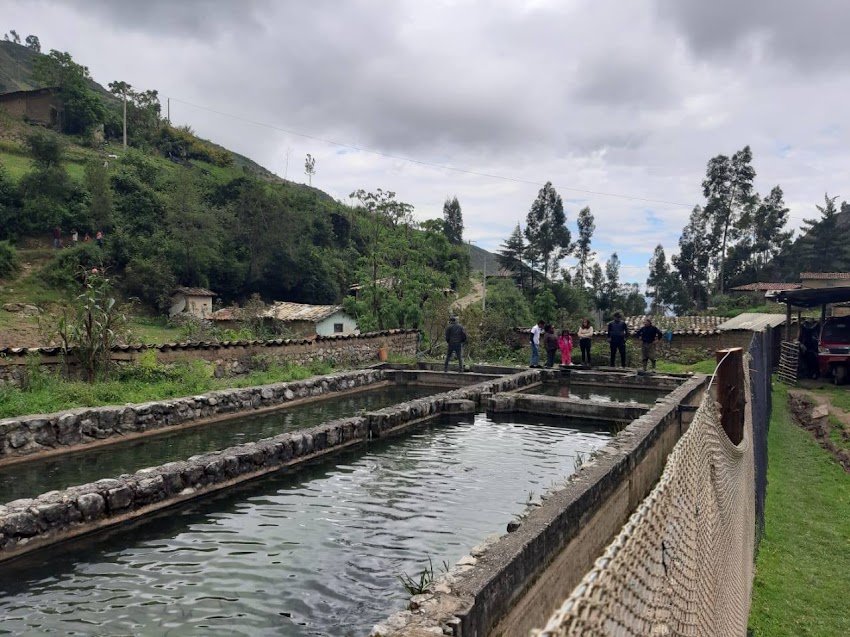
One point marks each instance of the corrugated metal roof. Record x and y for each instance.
(766, 287)
(824, 275)
(752, 322)
(284, 311)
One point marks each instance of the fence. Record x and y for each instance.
(683, 563)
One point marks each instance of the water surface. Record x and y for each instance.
(600, 394)
(315, 552)
(30, 479)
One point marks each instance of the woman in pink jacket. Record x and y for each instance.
(565, 342)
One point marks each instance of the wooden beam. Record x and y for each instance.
(788, 321)
(729, 379)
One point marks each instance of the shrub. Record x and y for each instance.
(9, 262)
(68, 267)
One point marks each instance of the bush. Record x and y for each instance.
(67, 267)
(9, 262)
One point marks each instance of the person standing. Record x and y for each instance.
(57, 237)
(585, 336)
(99, 239)
(550, 342)
(565, 342)
(536, 331)
(618, 332)
(455, 338)
(75, 237)
(649, 335)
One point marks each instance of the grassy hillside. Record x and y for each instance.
(16, 67)
(479, 256)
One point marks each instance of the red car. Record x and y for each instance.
(834, 349)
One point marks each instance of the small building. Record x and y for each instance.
(766, 287)
(196, 302)
(310, 320)
(825, 279)
(41, 106)
(227, 317)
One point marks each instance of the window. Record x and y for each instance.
(337, 328)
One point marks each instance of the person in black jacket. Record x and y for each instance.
(618, 332)
(455, 338)
(649, 335)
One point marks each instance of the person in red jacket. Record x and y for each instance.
(565, 343)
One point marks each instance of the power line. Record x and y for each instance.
(421, 162)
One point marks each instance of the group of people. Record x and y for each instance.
(618, 332)
(649, 335)
(75, 237)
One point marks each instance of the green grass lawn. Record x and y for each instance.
(701, 367)
(153, 331)
(803, 568)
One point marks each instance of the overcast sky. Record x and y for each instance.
(626, 98)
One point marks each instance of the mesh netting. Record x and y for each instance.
(682, 565)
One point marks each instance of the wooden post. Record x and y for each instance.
(788, 321)
(730, 391)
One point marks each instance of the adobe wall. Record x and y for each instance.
(512, 584)
(230, 358)
(29, 524)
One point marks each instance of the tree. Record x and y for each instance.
(546, 230)
(825, 242)
(597, 285)
(16, 39)
(762, 225)
(545, 307)
(100, 195)
(728, 189)
(453, 221)
(512, 257)
(33, 43)
(310, 167)
(693, 259)
(611, 288)
(586, 226)
(83, 108)
(658, 279)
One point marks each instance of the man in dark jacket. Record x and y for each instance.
(455, 337)
(649, 335)
(618, 331)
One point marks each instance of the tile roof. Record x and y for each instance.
(824, 275)
(225, 314)
(194, 291)
(285, 311)
(766, 287)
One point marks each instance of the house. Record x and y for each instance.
(766, 287)
(41, 106)
(309, 320)
(196, 302)
(825, 279)
(227, 317)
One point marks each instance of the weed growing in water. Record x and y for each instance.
(426, 578)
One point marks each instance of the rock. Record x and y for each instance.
(18, 525)
(119, 498)
(42, 432)
(91, 505)
(18, 439)
(13, 307)
(67, 429)
(513, 525)
(820, 411)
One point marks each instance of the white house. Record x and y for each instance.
(308, 320)
(195, 302)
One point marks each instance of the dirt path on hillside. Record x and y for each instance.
(476, 294)
(812, 412)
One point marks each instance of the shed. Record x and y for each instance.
(825, 279)
(308, 320)
(196, 302)
(738, 331)
(41, 106)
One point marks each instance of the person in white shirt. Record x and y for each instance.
(585, 334)
(536, 331)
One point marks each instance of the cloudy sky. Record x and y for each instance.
(601, 97)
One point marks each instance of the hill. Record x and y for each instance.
(479, 256)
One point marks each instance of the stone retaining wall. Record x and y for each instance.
(68, 430)
(511, 585)
(229, 358)
(571, 407)
(28, 524)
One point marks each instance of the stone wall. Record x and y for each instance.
(511, 585)
(230, 357)
(510, 402)
(64, 431)
(56, 516)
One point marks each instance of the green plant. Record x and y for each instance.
(420, 586)
(9, 262)
(90, 327)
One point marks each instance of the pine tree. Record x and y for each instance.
(658, 280)
(586, 226)
(512, 257)
(825, 242)
(453, 221)
(546, 230)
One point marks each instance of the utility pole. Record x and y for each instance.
(286, 166)
(168, 110)
(484, 281)
(125, 119)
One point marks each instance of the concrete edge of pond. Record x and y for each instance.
(29, 524)
(571, 407)
(511, 584)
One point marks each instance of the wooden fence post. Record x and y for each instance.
(730, 391)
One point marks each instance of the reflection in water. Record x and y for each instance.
(599, 393)
(316, 552)
(33, 478)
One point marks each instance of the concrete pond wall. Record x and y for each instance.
(26, 525)
(512, 584)
(229, 358)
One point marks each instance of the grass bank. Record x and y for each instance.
(803, 566)
(48, 392)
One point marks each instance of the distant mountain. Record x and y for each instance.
(479, 256)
